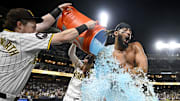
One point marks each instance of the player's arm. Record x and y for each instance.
(50, 18)
(72, 54)
(141, 58)
(38, 41)
(70, 34)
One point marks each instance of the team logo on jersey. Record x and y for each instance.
(41, 35)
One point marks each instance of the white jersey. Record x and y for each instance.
(17, 54)
(73, 92)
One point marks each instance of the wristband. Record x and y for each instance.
(55, 13)
(81, 28)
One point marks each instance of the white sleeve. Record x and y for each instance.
(78, 63)
(35, 41)
(72, 54)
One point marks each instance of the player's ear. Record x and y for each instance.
(19, 25)
(115, 33)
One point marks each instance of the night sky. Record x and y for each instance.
(151, 20)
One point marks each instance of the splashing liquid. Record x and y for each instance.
(109, 81)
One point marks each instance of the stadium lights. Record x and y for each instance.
(171, 45)
(160, 45)
(103, 19)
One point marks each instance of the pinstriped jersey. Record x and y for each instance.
(17, 54)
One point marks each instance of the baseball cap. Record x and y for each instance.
(21, 13)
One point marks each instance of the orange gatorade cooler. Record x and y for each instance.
(90, 41)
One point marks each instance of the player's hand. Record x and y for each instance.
(64, 6)
(91, 24)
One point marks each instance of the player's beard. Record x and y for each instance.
(121, 43)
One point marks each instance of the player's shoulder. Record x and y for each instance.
(8, 32)
(136, 44)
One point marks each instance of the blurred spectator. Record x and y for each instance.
(43, 89)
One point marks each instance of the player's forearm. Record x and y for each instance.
(70, 34)
(48, 21)
(65, 36)
(72, 55)
(72, 52)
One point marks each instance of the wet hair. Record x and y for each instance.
(90, 58)
(123, 25)
(118, 27)
(89, 64)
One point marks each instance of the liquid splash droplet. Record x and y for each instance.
(109, 81)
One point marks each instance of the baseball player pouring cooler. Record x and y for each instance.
(20, 42)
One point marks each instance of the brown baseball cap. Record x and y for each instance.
(21, 13)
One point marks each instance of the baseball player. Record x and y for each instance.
(73, 92)
(20, 42)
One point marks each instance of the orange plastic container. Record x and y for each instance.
(90, 41)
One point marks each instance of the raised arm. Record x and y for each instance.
(70, 34)
(72, 54)
(50, 18)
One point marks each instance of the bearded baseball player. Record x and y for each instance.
(20, 42)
